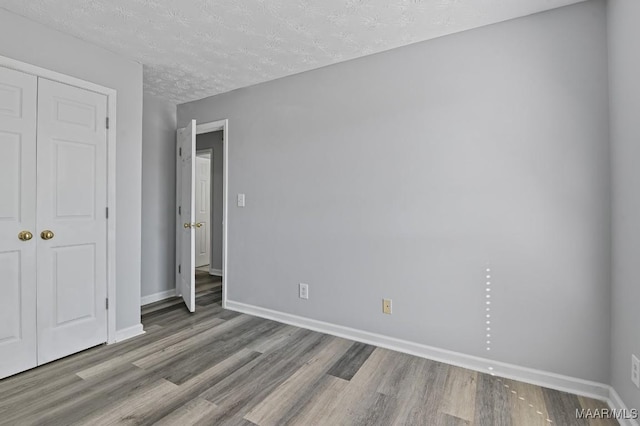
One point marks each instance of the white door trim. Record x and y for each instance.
(214, 126)
(111, 171)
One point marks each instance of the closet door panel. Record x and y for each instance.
(18, 95)
(72, 200)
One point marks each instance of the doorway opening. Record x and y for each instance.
(201, 233)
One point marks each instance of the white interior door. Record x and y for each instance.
(71, 205)
(187, 260)
(18, 95)
(203, 209)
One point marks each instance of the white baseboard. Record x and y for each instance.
(216, 272)
(156, 297)
(616, 403)
(537, 377)
(129, 332)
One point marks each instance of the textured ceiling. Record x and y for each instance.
(197, 48)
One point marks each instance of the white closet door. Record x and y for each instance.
(71, 205)
(18, 94)
(203, 209)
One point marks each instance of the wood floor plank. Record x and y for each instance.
(152, 328)
(593, 405)
(391, 369)
(210, 299)
(374, 409)
(459, 395)
(561, 407)
(39, 392)
(183, 367)
(283, 402)
(448, 420)
(152, 412)
(149, 350)
(493, 402)
(527, 404)
(190, 413)
(420, 395)
(119, 413)
(72, 403)
(348, 365)
(268, 343)
(379, 360)
(184, 345)
(241, 391)
(152, 307)
(326, 397)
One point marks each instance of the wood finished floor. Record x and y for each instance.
(218, 367)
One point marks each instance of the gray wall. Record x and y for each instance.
(213, 140)
(624, 70)
(30, 42)
(158, 195)
(403, 174)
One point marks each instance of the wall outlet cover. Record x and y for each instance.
(303, 290)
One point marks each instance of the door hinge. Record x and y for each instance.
(107, 303)
(107, 122)
(180, 150)
(179, 269)
(179, 209)
(107, 212)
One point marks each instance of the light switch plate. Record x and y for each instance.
(240, 200)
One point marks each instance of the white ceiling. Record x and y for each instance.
(192, 49)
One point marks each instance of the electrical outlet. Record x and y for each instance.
(386, 306)
(303, 290)
(635, 370)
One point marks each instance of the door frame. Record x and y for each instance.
(209, 127)
(111, 95)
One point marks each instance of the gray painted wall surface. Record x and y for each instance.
(624, 71)
(158, 195)
(403, 174)
(30, 42)
(213, 140)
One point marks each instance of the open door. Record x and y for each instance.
(186, 187)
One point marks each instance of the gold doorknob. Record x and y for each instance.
(47, 235)
(25, 236)
(193, 225)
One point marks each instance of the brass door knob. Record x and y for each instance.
(199, 225)
(25, 236)
(187, 225)
(47, 235)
